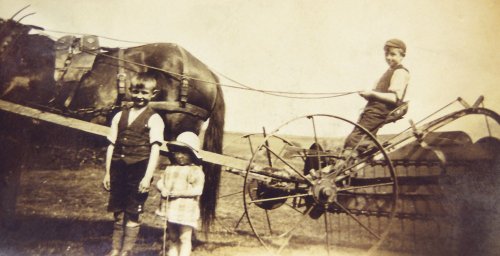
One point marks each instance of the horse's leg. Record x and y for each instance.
(8, 193)
(10, 168)
(14, 146)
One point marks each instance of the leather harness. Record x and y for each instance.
(74, 57)
(181, 105)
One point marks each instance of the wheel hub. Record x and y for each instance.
(324, 191)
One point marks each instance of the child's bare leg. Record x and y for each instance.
(185, 240)
(173, 234)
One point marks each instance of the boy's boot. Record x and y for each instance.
(129, 240)
(116, 240)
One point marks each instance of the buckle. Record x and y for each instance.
(121, 76)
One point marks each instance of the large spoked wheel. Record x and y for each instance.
(306, 197)
(231, 217)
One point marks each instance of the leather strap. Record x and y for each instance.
(176, 106)
(184, 90)
(121, 76)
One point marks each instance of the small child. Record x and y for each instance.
(388, 93)
(132, 156)
(181, 186)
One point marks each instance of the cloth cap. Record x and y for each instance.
(396, 43)
(186, 140)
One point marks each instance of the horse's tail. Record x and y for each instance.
(212, 141)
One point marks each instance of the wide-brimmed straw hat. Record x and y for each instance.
(186, 141)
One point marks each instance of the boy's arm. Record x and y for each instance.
(399, 81)
(388, 97)
(154, 155)
(156, 138)
(109, 156)
(109, 152)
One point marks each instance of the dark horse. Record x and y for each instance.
(189, 95)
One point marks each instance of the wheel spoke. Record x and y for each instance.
(294, 208)
(276, 198)
(357, 220)
(288, 234)
(289, 165)
(327, 232)
(232, 194)
(265, 177)
(339, 174)
(316, 143)
(283, 148)
(268, 223)
(239, 220)
(366, 186)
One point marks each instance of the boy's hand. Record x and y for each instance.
(144, 185)
(106, 182)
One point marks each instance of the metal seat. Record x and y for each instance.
(398, 113)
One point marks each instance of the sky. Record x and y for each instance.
(305, 46)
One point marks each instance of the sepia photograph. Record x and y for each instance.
(238, 128)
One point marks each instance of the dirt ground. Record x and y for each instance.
(63, 212)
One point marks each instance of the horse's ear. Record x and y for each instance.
(35, 27)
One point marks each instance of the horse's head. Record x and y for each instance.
(24, 60)
(10, 32)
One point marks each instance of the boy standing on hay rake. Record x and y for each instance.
(385, 101)
(181, 186)
(132, 156)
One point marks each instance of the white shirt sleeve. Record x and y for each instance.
(113, 131)
(399, 81)
(156, 126)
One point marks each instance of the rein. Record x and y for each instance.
(181, 76)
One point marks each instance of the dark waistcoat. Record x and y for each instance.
(385, 81)
(383, 86)
(133, 143)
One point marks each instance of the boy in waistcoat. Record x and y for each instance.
(387, 95)
(132, 156)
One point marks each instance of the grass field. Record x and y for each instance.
(63, 212)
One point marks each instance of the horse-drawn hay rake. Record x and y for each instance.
(291, 192)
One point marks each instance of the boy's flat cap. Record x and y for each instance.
(395, 43)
